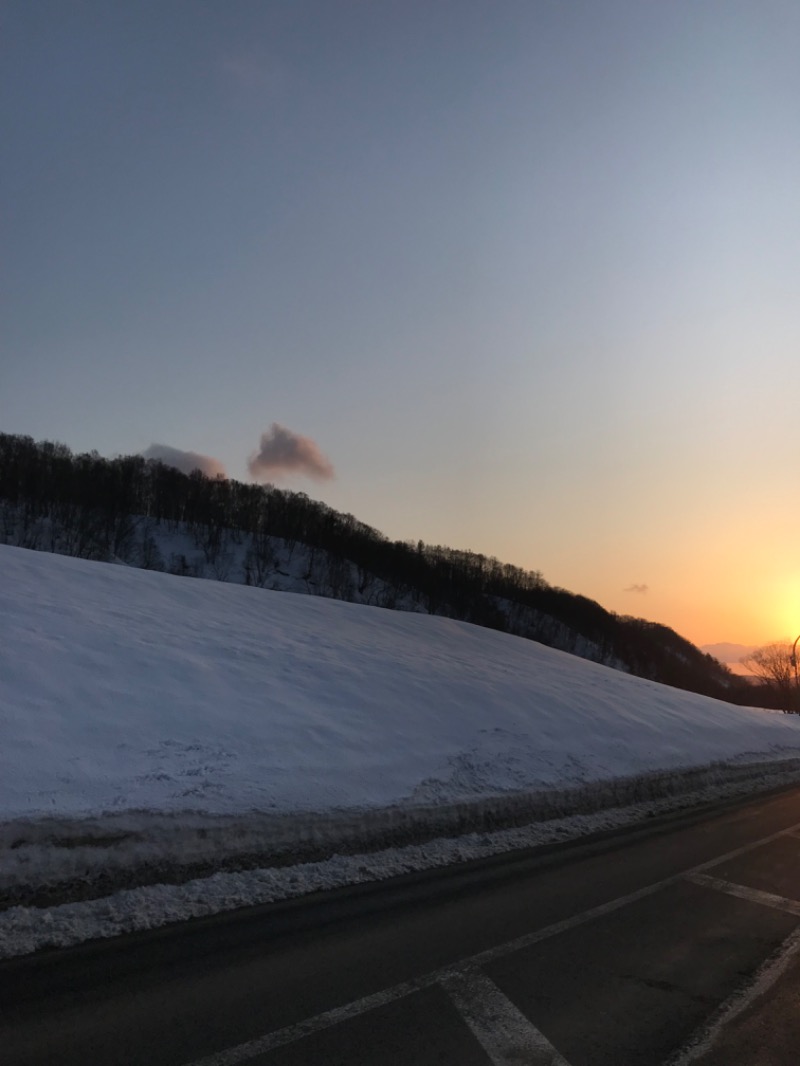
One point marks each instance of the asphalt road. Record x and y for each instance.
(678, 945)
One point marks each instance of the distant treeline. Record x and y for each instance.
(93, 507)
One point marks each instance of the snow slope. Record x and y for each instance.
(125, 689)
(165, 742)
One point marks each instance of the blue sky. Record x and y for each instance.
(526, 272)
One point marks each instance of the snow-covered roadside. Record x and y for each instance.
(139, 711)
(24, 930)
(49, 861)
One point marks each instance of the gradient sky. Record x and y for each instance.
(526, 272)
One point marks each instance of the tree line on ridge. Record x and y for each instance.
(113, 509)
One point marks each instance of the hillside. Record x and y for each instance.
(143, 513)
(123, 689)
(175, 748)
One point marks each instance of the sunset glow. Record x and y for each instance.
(520, 278)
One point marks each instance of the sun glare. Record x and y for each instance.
(786, 611)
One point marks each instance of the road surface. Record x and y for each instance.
(677, 945)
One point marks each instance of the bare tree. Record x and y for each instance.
(260, 560)
(775, 665)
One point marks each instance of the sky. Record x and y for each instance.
(518, 277)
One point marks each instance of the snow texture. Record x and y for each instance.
(25, 929)
(133, 694)
(125, 689)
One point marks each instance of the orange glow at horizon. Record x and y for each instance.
(731, 593)
(740, 611)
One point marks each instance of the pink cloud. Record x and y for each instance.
(284, 452)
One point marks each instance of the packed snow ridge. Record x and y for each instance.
(131, 698)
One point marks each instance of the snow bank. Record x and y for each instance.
(155, 728)
(123, 689)
(151, 905)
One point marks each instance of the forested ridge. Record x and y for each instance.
(132, 510)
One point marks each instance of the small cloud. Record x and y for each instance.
(284, 452)
(254, 71)
(246, 70)
(637, 588)
(186, 462)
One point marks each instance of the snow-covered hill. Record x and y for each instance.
(157, 731)
(124, 689)
(144, 513)
(273, 563)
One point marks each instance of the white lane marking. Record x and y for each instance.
(529, 939)
(280, 1037)
(503, 1031)
(754, 895)
(739, 1001)
(288, 1035)
(743, 850)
